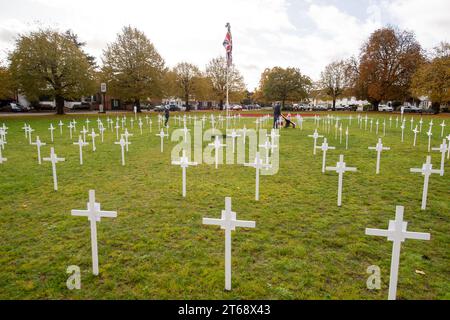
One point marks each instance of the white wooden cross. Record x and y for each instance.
(122, 144)
(397, 233)
(146, 118)
(87, 124)
(54, 160)
(25, 129)
(185, 131)
(38, 144)
(416, 131)
(426, 170)
(70, 126)
(233, 137)
(244, 133)
(346, 138)
(376, 128)
(93, 135)
(443, 150)
(217, 145)
(84, 131)
(267, 146)
(140, 124)
(429, 134)
(340, 168)
(448, 152)
(102, 131)
(117, 130)
(300, 121)
(412, 122)
(60, 124)
(94, 214)
(420, 125)
(132, 123)
(403, 129)
(315, 136)
(184, 163)
(258, 165)
(379, 148)
(74, 125)
(390, 122)
(274, 134)
(325, 147)
(396, 122)
(371, 125)
(442, 128)
(29, 131)
(126, 135)
(2, 143)
(431, 124)
(81, 144)
(228, 222)
(162, 135)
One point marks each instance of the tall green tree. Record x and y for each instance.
(278, 84)
(48, 63)
(133, 68)
(432, 79)
(217, 72)
(334, 80)
(187, 76)
(7, 84)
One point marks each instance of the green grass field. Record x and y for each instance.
(303, 246)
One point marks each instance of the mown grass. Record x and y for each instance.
(303, 246)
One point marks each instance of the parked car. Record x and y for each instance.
(15, 107)
(416, 109)
(81, 106)
(236, 107)
(158, 109)
(385, 108)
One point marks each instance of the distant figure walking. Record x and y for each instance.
(276, 114)
(166, 115)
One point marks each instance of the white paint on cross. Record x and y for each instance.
(426, 170)
(258, 165)
(184, 163)
(442, 128)
(81, 144)
(93, 135)
(228, 222)
(416, 131)
(126, 135)
(162, 135)
(84, 131)
(38, 145)
(54, 160)
(315, 136)
(325, 147)
(429, 134)
(340, 168)
(61, 125)
(267, 146)
(443, 150)
(2, 144)
(397, 233)
(379, 149)
(94, 214)
(122, 144)
(233, 137)
(217, 145)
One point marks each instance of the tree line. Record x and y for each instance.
(391, 66)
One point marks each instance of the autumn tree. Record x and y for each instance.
(278, 84)
(49, 63)
(217, 72)
(133, 68)
(388, 60)
(187, 76)
(334, 80)
(432, 79)
(7, 84)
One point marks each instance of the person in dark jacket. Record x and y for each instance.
(166, 115)
(276, 114)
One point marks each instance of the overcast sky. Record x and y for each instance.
(307, 34)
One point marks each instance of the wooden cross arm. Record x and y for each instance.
(79, 213)
(209, 221)
(352, 169)
(108, 214)
(330, 168)
(332, 148)
(377, 232)
(417, 235)
(245, 224)
(415, 170)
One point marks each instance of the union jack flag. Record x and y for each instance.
(228, 44)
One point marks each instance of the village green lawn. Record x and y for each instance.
(303, 246)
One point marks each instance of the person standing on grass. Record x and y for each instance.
(166, 115)
(276, 114)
